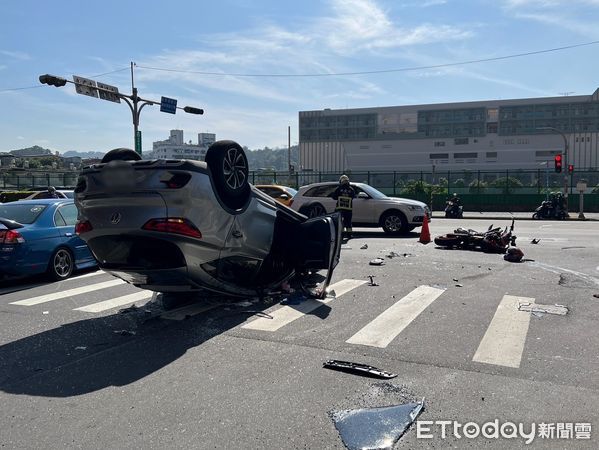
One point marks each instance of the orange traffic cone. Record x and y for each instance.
(425, 234)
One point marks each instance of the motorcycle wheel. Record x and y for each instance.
(536, 216)
(447, 241)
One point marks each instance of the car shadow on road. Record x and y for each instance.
(89, 355)
(381, 234)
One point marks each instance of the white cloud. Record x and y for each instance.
(15, 55)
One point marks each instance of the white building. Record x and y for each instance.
(482, 135)
(175, 147)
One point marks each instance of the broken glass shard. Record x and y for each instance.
(370, 428)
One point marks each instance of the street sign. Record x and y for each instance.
(85, 86)
(168, 105)
(108, 92)
(138, 141)
(581, 186)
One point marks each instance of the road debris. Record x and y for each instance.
(455, 279)
(540, 310)
(45, 312)
(357, 369)
(128, 310)
(81, 347)
(377, 262)
(124, 332)
(364, 247)
(375, 427)
(459, 285)
(535, 241)
(596, 295)
(514, 254)
(371, 282)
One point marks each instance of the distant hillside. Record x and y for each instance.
(269, 158)
(84, 155)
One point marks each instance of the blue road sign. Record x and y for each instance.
(168, 105)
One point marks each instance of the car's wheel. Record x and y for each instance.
(447, 241)
(61, 264)
(121, 154)
(394, 222)
(228, 165)
(316, 210)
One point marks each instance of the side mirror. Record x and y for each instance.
(284, 197)
(363, 195)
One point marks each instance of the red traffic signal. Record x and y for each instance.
(52, 80)
(570, 168)
(558, 163)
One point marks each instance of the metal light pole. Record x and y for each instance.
(565, 165)
(111, 93)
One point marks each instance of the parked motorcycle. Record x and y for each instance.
(453, 210)
(494, 240)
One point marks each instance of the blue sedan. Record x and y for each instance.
(38, 236)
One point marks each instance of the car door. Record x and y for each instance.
(65, 219)
(363, 208)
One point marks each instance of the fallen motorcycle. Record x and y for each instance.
(494, 240)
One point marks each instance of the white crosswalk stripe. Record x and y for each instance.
(287, 314)
(68, 293)
(116, 302)
(503, 343)
(387, 326)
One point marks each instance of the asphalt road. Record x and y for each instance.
(249, 375)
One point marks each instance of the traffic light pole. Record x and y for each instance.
(133, 101)
(565, 164)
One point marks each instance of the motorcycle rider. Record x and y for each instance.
(344, 194)
(453, 206)
(52, 192)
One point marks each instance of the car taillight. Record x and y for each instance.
(11, 237)
(174, 225)
(83, 227)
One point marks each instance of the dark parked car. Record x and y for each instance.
(38, 236)
(180, 225)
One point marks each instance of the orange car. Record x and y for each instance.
(282, 194)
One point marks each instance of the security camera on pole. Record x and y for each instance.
(91, 88)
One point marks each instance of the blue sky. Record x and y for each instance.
(264, 37)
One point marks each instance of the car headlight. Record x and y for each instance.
(415, 208)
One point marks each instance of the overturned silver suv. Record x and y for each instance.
(178, 226)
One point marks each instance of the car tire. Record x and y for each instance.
(229, 168)
(121, 154)
(61, 264)
(394, 222)
(316, 210)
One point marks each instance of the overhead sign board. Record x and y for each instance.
(168, 105)
(85, 86)
(108, 92)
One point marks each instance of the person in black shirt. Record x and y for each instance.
(345, 194)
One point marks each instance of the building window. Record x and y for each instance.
(508, 141)
(460, 141)
(439, 155)
(491, 154)
(439, 143)
(465, 155)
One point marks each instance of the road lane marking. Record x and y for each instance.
(387, 326)
(288, 313)
(115, 302)
(503, 343)
(25, 287)
(188, 311)
(67, 293)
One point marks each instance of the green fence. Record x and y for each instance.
(507, 190)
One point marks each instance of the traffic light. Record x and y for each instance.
(558, 163)
(192, 110)
(570, 168)
(52, 80)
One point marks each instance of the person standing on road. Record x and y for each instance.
(345, 194)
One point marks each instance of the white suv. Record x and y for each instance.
(371, 208)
